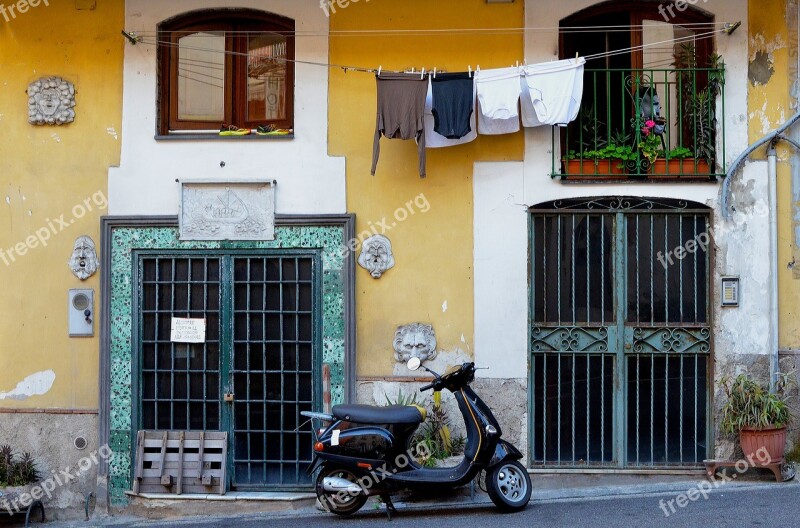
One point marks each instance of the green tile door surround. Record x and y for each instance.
(328, 235)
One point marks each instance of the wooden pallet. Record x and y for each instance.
(180, 462)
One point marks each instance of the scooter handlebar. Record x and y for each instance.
(426, 387)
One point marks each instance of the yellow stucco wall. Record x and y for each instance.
(770, 106)
(45, 172)
(434, 249)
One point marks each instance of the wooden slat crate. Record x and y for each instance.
(180, 462)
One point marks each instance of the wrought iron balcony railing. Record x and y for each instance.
(645, 124)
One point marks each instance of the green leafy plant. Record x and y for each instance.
(16, 469)
(402, 399)
(434, 433)
(751, 404)
(679, 153)
(699, 105)
(650, 145)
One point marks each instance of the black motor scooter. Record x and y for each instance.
(366, 451)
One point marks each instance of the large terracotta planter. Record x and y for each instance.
(592, 169)
(680, 168)
(756, 442)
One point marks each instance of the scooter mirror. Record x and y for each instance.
(414, 363)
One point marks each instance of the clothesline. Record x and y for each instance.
(134, 38)
(450, 32)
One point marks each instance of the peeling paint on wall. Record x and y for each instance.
(761, 69)
(34, 385)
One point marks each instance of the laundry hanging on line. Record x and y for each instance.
(552, 92)
(401, 112)
(435, 140)
(444, 110)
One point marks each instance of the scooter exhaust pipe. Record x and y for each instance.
(338, 484)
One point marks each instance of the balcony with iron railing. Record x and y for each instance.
(645, 124)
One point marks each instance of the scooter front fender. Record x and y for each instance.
(504, 451)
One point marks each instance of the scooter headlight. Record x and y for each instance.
(490, 429)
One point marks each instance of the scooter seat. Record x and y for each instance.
(368, 414)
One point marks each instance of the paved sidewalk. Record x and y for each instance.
(548, 488)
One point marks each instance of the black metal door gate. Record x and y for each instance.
(620, 335)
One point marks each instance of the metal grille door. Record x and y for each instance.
(180, 382)
(272, 372)
(620, 334)
(256, 370)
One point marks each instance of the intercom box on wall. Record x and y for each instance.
(81, 313)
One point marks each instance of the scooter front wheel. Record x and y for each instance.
(340, 502)
(509, 486)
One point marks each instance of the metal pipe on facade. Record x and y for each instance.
(726, 184)
(772, 172)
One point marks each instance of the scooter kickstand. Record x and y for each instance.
(390, 509)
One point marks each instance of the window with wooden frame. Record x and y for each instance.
(225, 67)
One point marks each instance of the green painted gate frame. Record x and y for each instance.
(122, 235)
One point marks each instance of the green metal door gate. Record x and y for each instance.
(258, 368)
(620, 336)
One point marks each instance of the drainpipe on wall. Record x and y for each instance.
(772, 172)
(772, 138)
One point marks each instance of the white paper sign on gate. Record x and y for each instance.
(188, 330)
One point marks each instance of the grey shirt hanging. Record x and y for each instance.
(401, 112)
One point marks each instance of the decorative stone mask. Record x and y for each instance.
(414, 340)
(376, 255)
(83, 262)
(51, 101)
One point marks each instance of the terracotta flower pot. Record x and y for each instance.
(680, 168)
(761, 443)
(591, 169)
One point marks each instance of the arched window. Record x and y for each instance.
(657, 65)
(225, 67)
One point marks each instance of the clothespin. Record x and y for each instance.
(434, 73)
(380, 68)
(422, 75)
(470, 70)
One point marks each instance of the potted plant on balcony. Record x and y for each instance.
(680, 163)
(758, 416)
(608, 162)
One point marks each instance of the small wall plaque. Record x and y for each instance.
(730, 291)
(214, 210)
(51, 101)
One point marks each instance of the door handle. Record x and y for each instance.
(628, 346)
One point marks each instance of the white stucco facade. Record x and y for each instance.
(308, 180)
(502, 195)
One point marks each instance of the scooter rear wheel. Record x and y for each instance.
(509, 486)
(340, 503)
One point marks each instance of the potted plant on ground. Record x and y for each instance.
(758, 416)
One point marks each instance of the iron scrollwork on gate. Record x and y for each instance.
(671, 340)
(569, 339)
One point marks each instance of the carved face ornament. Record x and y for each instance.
(414, 340)
(83, 262)
(376, 256)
